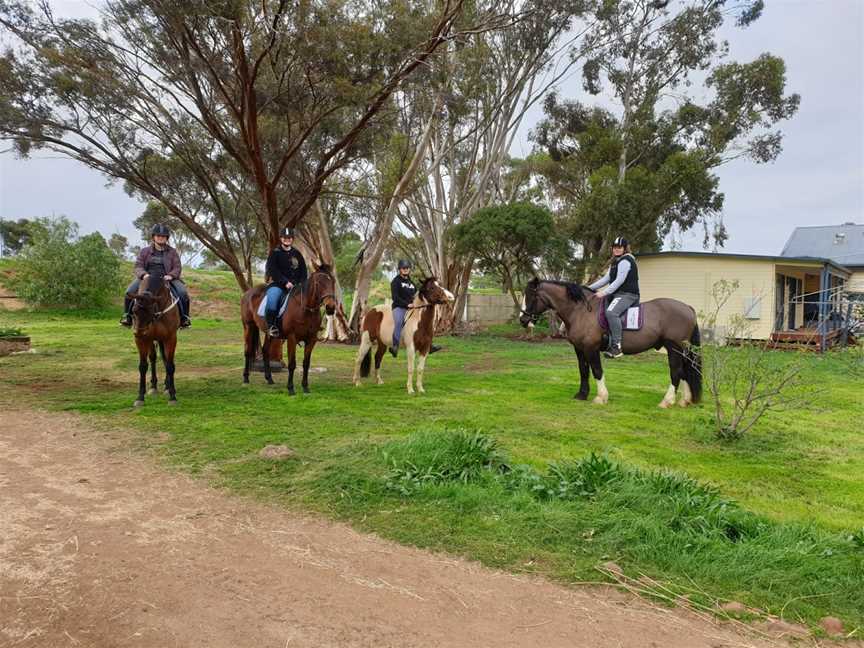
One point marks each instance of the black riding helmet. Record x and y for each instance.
(403, 263)
(160, 230)
(620, 242)
(286, 232)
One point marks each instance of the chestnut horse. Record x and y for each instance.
(417, 332)
(300, 322)
(155, 320)
(668, 323)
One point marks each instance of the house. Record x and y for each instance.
(786, 299)
(843, 244)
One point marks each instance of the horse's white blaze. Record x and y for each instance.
(669, 398)
(602, 393)
(686, 394)
(450, 295)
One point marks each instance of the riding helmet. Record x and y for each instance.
(286, 232)
(403, 263)
(160, 230)
(620, 242)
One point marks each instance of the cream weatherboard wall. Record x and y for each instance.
(690, 279)
(856, 282)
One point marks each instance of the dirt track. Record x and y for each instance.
(99, 547)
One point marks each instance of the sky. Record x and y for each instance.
(817, 180)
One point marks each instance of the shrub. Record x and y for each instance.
(59, 268)
(442, 456)
(11, 332)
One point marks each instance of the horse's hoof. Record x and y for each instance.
(665, 405)
(153, 392)
(306, 390)
(599, 401)
(245, 383)
(291, 391)
(420, 390)
(683, 403)
(172, 402)
(271, 382)
(138, 403)
(581, 396)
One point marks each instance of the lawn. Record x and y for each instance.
(776, 520)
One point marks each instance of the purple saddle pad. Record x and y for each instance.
(633, 322)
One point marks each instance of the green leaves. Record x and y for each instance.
(61, 269)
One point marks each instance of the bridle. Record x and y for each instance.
(534, 317)
(314, 291)
(158, 314)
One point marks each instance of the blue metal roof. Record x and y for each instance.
(843, 244)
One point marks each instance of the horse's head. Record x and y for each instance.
(433, 293)
(146, 302)
(322, 290)
(535, 303)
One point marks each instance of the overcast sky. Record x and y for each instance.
(818, 179)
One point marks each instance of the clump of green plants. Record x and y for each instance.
(60, 268)
(436, 457)
(11, 332)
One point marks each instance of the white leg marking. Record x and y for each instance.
(602, 393)
(686, 394)
(409, 350)
(669, 398)
(421, 365)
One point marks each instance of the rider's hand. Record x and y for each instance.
(289, 285)
(600, 293)
(169, 278)
(145, 275)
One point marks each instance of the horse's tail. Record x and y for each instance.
(693, 364)
(366, 364)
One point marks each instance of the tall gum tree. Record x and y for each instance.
(202, 105)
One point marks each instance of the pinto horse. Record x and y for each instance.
(668, 323)
(300, 322)
(155, 320)
(417, 333)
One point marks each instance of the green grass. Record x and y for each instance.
(495, 461)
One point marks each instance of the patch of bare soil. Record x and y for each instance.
(100, 547)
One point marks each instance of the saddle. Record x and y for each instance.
(283, 303)
(631, 320)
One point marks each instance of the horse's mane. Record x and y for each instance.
(574, 290)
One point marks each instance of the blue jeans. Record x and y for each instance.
(274, 295)
(398, 321)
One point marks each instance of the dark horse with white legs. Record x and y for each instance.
(155, 321)
(300, 322)
(668, 324)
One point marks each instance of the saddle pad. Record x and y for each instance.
(631, 320)
(283, 304)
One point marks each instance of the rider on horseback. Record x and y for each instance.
(402, 291)
(286, 269)
(622, 284)
(159, 258)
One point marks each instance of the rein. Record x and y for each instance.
(159, 314)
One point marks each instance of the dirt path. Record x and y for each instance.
(99, 547)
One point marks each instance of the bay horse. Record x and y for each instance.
(300, 322)
(668, 323)
(155, 321)
(417, 333)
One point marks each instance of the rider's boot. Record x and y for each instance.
(126, 320)
(434, 348)
(614, 351)
(394, 351)
(272, 326)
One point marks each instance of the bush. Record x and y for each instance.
(443, 456)
(59, 268)
(11, 332)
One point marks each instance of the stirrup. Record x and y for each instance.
(433, 349)
(613, 352)
(273, 331)
(185, 322)
(394, 351)
(126, 320)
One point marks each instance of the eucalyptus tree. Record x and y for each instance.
(205, 105)
(681, 110)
